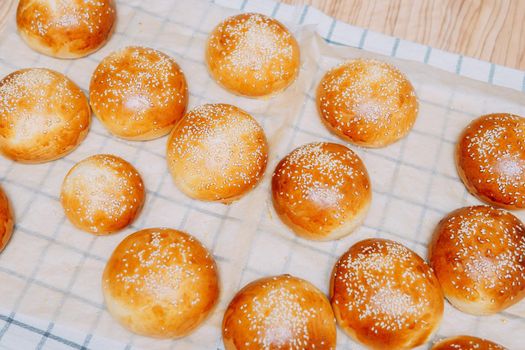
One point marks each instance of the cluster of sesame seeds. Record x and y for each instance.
(252, 47)
(47, 16)
(158, 266)
(36, 102)
(331, 178)
(131, 83)
(385, 284)
(485, 252)
(367, 96)
(467, 343)
(283, 313)
(101, 191)
(221, 146)
(495, 146)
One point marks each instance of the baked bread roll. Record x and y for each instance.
(321, 191)
(478, 255)
(281, 312)
(43, 115)
(217, 152)
(65, 29)
(252, 55)
(490, 158)
(6, 220)
(102, 194)
(367, 102)
(465, 342)
(138, 93)
(160, 283)
(385, 296)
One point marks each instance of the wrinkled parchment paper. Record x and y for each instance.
(50, 273)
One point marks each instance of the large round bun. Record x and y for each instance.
(102, 194)
(385, 296)
(217, 152)
(281, 312)
(252, 55)
(43, 115)
(490, 158)
(367, 102)
(478, 255)
(465, 342)
(138, 93)
(160, 283)
(321, 191)
(6, 220)
(65, 29)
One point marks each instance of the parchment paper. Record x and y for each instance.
(50, 273)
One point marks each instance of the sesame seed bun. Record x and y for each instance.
(43, 115)
(490, 158)
(6, 220)
(385, 296)
(252, 55)
(367, 102)
(102, 194)
(281, 312)
(160, 283)
(465, 342)
(478, 254)
(321, 191)
(138, 93)
(217, 152)
(65, 29)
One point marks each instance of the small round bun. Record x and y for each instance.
(160, 283)
(385, 296)
(43, 115)
(138, 93)
(281, 312)
(102, 194)
(6, 220)
(321, 191)
(490, 158)
(478, 254)
(465, 342)
(65, 29)
(367, 102)
(217, 152)
(253, 55)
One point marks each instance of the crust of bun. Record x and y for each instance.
(6, 220)
(281, 312)
(321, 191)
(160, 283)
(367, 102)
(252, 55)
(43, 115)
(478, 256)
(65, 29)
(490, 159)
(465, 342)
(385, 296)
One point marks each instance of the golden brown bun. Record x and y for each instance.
(252, 55)
(465, 342)
(43, 115)
(102, 194)
(6, 220)
(217, 152)
(367, 102)
(478, 254)
(281, 312)
(321, 191)
(160, 283)
(65, 29)
(490, 158)
(138, 93)
(385, 296)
